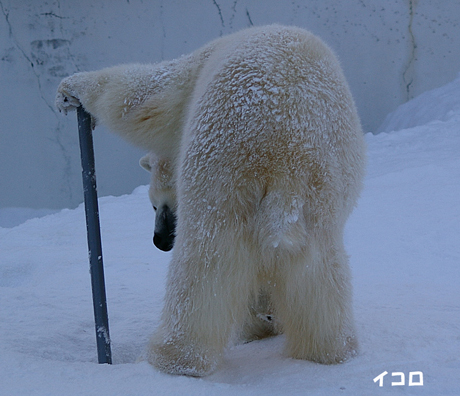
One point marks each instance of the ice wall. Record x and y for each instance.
(391, 51)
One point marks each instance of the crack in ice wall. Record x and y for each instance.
(28, 58)
(6, 14)
(249, 17)
(34, 61)
(409, 70)
(219, 11)
(232, 17)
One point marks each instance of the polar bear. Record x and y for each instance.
(261, 322)
(260, 145)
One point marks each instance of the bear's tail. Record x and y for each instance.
(281, 222)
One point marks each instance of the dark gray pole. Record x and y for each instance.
(101, 318)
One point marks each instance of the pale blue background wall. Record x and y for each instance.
(391, 50)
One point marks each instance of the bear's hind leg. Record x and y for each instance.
(313, 299)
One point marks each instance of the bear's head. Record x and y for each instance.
(162, 193)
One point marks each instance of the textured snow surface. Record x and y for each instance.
(402, 238)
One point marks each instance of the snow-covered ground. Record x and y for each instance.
(403, 239)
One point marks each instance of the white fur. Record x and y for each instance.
(162, 189)
(265, 151)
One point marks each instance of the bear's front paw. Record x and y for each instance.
(67, 96)
(66, 102)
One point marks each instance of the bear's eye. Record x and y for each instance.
(155, 208)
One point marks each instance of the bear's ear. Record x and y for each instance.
(144, 162)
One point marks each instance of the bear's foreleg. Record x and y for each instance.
(132, 101)
(207, 294)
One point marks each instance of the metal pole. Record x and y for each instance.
(101, 318)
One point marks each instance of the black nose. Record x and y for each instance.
(165, 227)
(164, 243)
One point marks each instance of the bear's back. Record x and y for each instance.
(271, 112)
(269, 100)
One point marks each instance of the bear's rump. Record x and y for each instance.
(266, 193)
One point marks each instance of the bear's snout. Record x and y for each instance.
(165, 227)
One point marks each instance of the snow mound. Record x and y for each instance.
(12, 217)
(439, 104)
